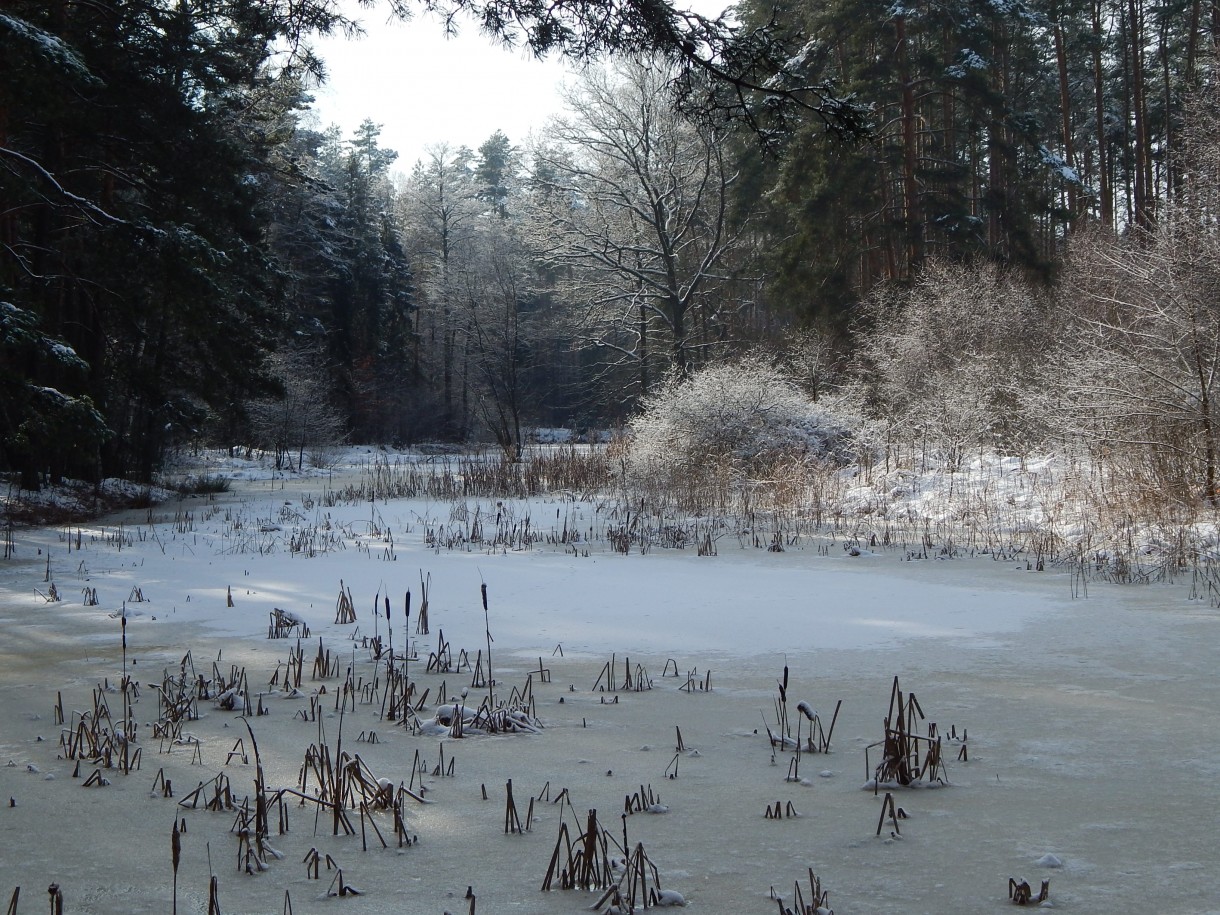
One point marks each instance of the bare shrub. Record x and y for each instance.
(946, 367)
(1144, 355)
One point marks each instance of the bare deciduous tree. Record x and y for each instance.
(303, 417)
(631, 208)
(440, 208)
(1147, 341)
(728, 422)
(1147, 353)
(494, 287)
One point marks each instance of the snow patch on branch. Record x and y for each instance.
(47, 46)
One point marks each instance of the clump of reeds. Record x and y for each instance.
(634, 680)
(907, 758)
(284, 624)
(1021, 893)
(810, 736)
(345, 607)
(819, 899)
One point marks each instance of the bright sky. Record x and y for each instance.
(426, 89)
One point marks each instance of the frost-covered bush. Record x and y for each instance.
(948, 365)
(727, 422)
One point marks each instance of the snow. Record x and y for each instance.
(553, 436)
(1057, 164)
(1089, 748)
(968, 60)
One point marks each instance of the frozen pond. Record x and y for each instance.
(1091, 721)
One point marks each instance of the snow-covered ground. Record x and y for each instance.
(1092, 756)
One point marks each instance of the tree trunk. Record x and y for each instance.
(1169, 165)
(1143, 165)
(1106, 208)
(1065, 109)
(912, 223)
(678, 318)
(998, 147)
(645, 381)
(1192, 41)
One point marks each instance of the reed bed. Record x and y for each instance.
(1062, 513)
(581, 472)
(1069, 514)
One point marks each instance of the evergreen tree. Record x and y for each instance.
(494, 171)
(966, 159)
(133, 222)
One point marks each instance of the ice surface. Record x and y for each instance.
(1088, 720)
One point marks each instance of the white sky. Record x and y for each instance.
(425, 89)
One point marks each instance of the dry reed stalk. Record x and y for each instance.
(340, 887)
(512, 822)
(221, 798)
(607, 674)
(778, 813)
(491, 679)
(366, 813)
(644, 799)
(175, 845)
(96, 778)
(421, 622)
(888, 808)
(554, 868)
(441, 660)
(400, 823)
(164, 784)
(239, 750)
(781, 705)
(1021, 893)
(825, 744)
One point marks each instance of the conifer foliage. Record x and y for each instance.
(133, 226)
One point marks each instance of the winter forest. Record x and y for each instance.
(906, 312)
(881, 233)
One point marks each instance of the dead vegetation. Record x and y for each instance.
(596, 861)
(817, 904)
(908, 758)
(1021, 893)
(348, 797)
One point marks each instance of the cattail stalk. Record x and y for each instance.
(175, 844)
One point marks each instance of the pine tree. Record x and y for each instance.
(135, 223)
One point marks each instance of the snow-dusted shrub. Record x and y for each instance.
(948, 365)
(727, 422)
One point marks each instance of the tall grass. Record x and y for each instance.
(577, 471)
